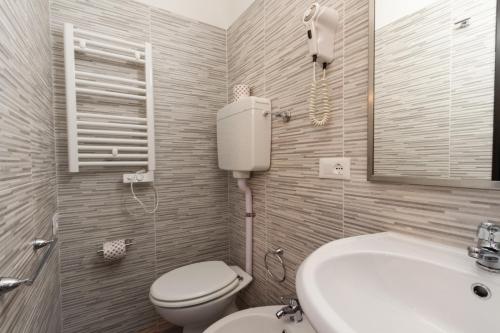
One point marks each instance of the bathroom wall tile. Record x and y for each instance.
(428, 69)
(190, 87)
(40, 97)
(301, 212)
(301, 216)
(294, 202)
(473, 82)
(245, 49)
(412, 71)
(445, 214)
(27, 182)
(15, 122)
(44, 197)
(94, 205)
(119, 290)
(17, 229)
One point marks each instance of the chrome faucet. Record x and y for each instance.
(487, 251)
(292, 311)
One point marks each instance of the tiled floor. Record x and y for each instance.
(174, 330)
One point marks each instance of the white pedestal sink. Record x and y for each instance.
(391, 283)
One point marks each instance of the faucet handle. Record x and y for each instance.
(291, 301)
(488, 236)
(292, 309)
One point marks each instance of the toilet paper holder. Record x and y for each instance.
(128, 242)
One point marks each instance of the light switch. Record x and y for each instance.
(335, 168)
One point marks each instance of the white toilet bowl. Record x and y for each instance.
(197, 295)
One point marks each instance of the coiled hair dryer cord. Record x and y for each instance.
(319, 100)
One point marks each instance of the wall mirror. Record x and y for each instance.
(431, 113)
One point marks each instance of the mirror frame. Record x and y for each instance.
(462, 183)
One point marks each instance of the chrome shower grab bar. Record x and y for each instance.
(8, 284)
(43, 261)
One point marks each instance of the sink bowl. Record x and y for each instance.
(392, 283)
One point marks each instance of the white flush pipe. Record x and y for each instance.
(243, 185)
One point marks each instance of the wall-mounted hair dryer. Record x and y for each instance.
(321, 24)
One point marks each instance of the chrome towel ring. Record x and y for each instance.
(278, 253)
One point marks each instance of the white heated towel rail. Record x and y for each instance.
(98, 139)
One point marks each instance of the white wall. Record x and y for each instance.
(221, 13)
(388, 11)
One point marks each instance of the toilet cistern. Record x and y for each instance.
(244, 145)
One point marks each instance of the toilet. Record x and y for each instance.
(197, 295)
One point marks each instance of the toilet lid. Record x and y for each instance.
(193, 281)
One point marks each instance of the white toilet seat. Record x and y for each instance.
(193, 285)
(201, 295)
(196, 301)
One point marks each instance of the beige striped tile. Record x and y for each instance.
(27, 166)
(190, 79)
(295, 209)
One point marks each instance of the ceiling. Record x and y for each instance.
(221, 13)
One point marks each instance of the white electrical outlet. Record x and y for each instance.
(335, 168)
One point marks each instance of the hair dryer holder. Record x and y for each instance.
(321, 23)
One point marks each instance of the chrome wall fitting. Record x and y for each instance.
(286, 116)
(8, 284)
(40, 243)
(463, 23)
(487, 250)
(278, 253)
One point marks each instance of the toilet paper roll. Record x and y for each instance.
(114, 250)
(240, 90)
